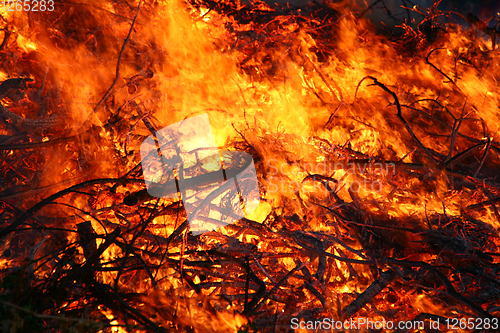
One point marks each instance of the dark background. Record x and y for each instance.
(390, 13)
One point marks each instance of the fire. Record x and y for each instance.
(376, 159)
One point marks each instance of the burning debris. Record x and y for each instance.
(376, 160)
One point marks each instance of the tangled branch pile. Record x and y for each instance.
(377, 163)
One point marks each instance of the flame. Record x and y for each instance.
(318, 124)
(26, 44)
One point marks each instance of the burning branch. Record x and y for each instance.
(351, 218)
(368, 294)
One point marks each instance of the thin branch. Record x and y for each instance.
(488, 145)
(399, 114)
(30, 212)
(433, 66)
(367, 296)
(118, 63)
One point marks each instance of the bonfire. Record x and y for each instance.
(336, 179)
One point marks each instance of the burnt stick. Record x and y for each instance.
(367, 296)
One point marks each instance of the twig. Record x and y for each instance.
(456, 128)
(316, 293)
(449, 286)
(34, 145)
(464, 154)
(330, 119)
(281, 282)
(399, 114)
(352, 271)
(247, 282)
(494, 143)
(324, 78)
(30, 212)
(118, 63)
(28, 191)
(87, 238)
(433, 66)
(262, 269)
(33, 125)
(367, 9)
(367, 295)
(484, 203)
(79, 321)
(488, 145)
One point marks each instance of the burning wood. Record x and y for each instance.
(377, 162)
